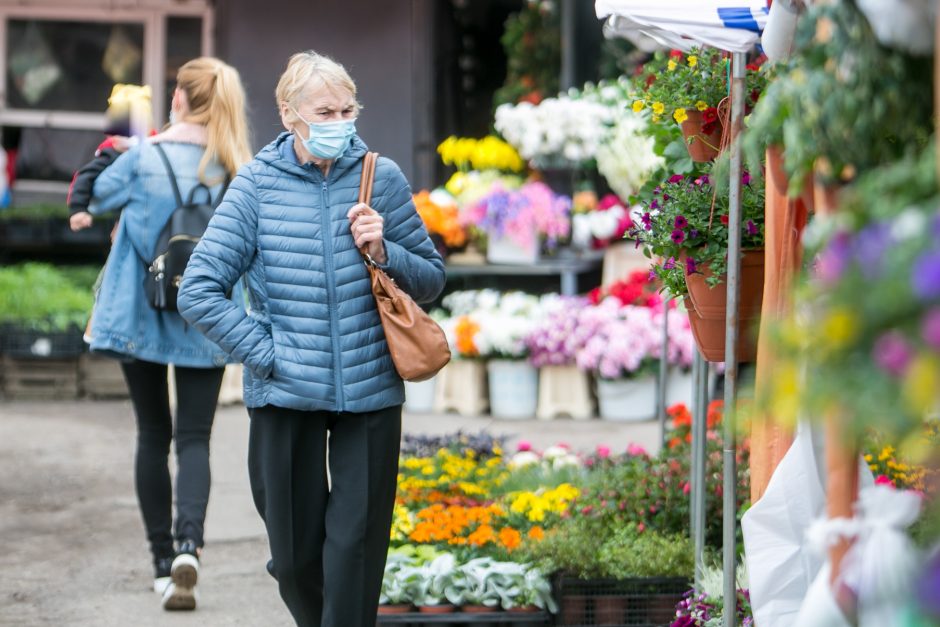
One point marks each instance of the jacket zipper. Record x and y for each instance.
(327, 234)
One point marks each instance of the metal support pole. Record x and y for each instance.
(567, 17)
(663, 376)
(729, 517)
(699, 435)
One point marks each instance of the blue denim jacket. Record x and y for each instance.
(123, 323)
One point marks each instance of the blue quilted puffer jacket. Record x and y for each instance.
(312, 339)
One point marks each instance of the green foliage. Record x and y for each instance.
(40, 211)
(42, 297)
(532, 41)
(843, 104)
(687, 219)
(697, 80)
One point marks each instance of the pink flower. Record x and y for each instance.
(686, 487)
(635, 449)
(884, 480)
(587, 509)
(523, 446)
(641, 528)
(603, 451)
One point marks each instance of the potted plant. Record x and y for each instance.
(435, 578)
(621, 350)
(517, 222)
(479, 596)
(685, 230)
(513, 381)
(843, 103)
(552, 345)
(399, 584)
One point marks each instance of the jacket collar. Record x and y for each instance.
(280, 154)
(184, 133)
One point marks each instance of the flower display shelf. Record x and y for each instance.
(564, 390)
(461, 387)
(42, 379)
(101, 377)
(641, 602)
(497, 617)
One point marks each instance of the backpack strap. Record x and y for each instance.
(169, 171)
(222, 191)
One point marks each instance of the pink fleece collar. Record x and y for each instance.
(183, 132)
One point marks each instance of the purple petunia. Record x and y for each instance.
(678, 236)
(670, 263)
(746, 178)
(647, 221)
(834, 259)
(925, 276)
(690, 266)
(892, 353)
(676, 178)
(654, 205)
(751, 228)
(930, 328)
(681, 222)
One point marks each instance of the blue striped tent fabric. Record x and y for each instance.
(732, 25)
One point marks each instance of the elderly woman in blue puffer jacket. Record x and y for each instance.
(317, 363)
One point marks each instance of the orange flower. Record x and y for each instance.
(465, 330)
(536, 533)
(483, 535)
(440, 220)
(509, 538)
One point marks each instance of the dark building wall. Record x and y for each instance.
(382, 44)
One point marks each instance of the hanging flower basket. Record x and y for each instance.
(707, 307)
(703, 146)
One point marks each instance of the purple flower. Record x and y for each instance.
(751, 228)
(647, 221)
(690, 266)
(684, 621)
(681, 222)
(693, 233)
(925, 277)
(834, 259)
(665, 196)
(670, 263)
(927, 585)
(678, 236)
(676, 178)
(654, 204)
(870, 246)
(746, 178)
(930, 328)
(892, 353)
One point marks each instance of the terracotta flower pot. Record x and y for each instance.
(574, 609)
(702, 148)
(478, 609)
(398, 608)
(444, 608)
(707, 309)
(524, 609)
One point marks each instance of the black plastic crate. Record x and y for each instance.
(25, 343)
(20, 232)
(640, 602)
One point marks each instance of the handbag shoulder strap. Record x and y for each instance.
(169, 171)
(368, 177)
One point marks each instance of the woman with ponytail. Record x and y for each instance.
(205, 143)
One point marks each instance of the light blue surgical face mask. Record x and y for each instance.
(328, 140)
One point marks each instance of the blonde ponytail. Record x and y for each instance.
(217, 100)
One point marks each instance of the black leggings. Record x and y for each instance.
(197, 392)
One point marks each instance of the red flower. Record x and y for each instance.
(675, 54)
(709, 120)
(650, 79)
(724, 219)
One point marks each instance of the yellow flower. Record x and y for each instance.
(680, 116)
(658, 108)
(693, 60)
(656, 118)
(671, 65)
(839, 328)
(922, 383)
(701, 105)
(638, 105)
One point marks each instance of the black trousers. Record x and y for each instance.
(328, 538)
(197, 392)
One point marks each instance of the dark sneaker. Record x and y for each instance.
(161, 574)
(181, 593)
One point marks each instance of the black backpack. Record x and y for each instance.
(177, 240)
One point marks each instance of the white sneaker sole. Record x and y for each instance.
(181, 593)
(160, 585)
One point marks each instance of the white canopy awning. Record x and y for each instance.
(732, 25)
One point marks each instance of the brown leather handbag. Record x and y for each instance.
(417, 344)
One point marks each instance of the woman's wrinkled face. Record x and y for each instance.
(319, 105)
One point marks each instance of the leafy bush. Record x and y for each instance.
(42, 297)
(40, 211)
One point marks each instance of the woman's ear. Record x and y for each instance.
(287, 116)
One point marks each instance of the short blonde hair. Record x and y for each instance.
(306, 69)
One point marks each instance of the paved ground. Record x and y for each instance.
(72, 547)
